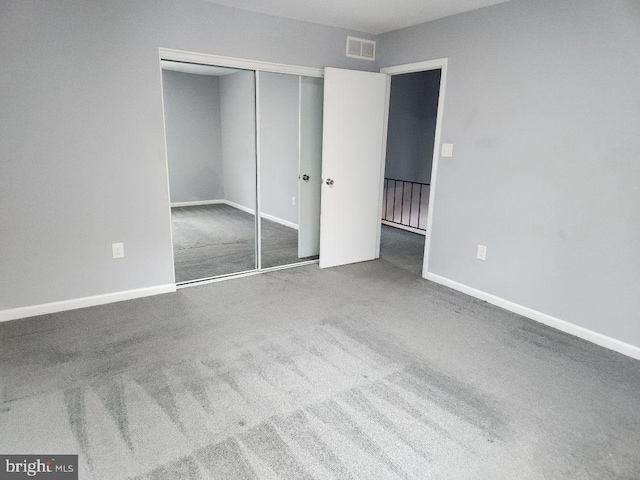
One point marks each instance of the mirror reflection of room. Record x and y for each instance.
(210, 133)
(212, 154)
(290, 123)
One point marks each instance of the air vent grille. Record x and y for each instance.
(361, 48)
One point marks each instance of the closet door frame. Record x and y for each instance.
(239, 63)
(242, 64)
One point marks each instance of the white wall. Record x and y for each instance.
(238, 114)
(543, 107)
(279, 125)
(413, 105)
(194, 144)
(83, 157)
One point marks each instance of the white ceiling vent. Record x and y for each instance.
(361, 48)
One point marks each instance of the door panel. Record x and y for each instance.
(310, 166)
(352, 163)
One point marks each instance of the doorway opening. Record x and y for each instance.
(411, 154)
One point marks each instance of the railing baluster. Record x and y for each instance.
(402, 204)
(420, 206)
(384, 205)
(395, 187)
(410, 203)
(393, 219)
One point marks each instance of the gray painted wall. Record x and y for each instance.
(238, 114)
(194, 149)
(82, 139)
(543, 107)
(279, 114)
(413, 105)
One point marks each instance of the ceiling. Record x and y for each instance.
(370, 16)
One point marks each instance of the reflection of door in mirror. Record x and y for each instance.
(210, 134)
(290, 132)
(311, 96)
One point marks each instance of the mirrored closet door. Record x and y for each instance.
(210, 127)
(290, 150)
(240, 142)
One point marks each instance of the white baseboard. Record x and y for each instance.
(562, 325)
(238, 206)
(281, 221)
(404, 227)
(220, 201)
(46, 308)
(196, 203)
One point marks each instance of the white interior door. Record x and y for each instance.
(310, 166)
(353, 147)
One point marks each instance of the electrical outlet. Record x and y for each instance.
(118, 250)
(482, 252)
(293, 200)
(447, 150)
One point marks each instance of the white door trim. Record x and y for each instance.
(221, 61)
(166, 170)
(441, 64)
(385, 129)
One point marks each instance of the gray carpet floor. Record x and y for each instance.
(214, 240)
(402, 248)
(358, 372)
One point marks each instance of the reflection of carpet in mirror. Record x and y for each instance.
(212, 240)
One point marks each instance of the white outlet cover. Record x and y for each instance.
(447, 150)
(118, 250)
(481, 254)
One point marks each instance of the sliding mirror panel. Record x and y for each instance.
(290, 134)
(210, 124)
(311, 97)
